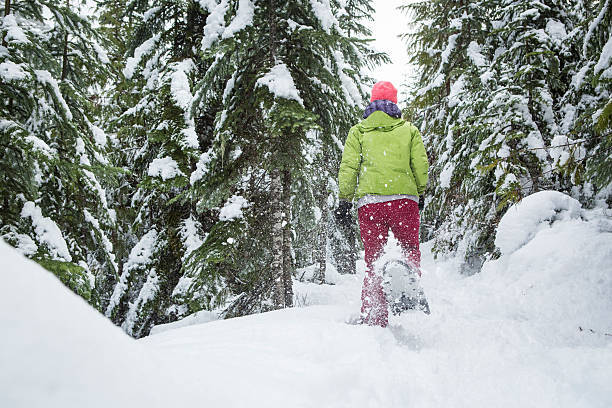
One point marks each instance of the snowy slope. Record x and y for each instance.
(508, 337)
(57, 351)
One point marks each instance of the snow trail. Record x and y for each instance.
(463, 354)
(507, 337)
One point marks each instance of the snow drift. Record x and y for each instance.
(57, 351)
(555, 266)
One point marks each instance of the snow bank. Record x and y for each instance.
(507, 337)
(525, 219)
(57, 351)
(555, 267)
(203, 316)
(531, 330)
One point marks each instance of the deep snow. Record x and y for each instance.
(507, 337)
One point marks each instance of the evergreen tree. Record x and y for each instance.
(54, 205)
(229, 106)
(450, 46)
(225, 122)
(293, 82)
(158, 147)
(494, 104)
(585, 145)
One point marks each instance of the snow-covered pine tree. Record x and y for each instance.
(519, 123)
(585, 140)
(533, 69)
(292, 86)
(218, 171)
(117, 28)
(599, 40)
(449, 44)
(527, 74)
(54, 205)
(159, 144)
(493, 80)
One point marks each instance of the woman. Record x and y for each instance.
(384, 167)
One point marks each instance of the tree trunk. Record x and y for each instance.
(287, 239)
(276, 204)
(272, 22)
(348, 257)
(65, 53)
(321, 248)
(7, 11)
(276, 201)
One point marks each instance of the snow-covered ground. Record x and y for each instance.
(532, 330)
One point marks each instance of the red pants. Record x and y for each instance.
(402, 217)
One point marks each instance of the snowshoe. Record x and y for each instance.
(402, 288)
(355, 320)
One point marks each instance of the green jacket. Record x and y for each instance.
(383, 156)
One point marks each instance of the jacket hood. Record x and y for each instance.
(384, 105)
(380, 121)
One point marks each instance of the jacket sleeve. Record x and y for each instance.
(349, 166)
(418, 161)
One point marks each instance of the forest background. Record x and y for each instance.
(168, 157)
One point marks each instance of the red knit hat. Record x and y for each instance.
(384, 90)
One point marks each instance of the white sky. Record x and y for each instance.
(387, 25)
